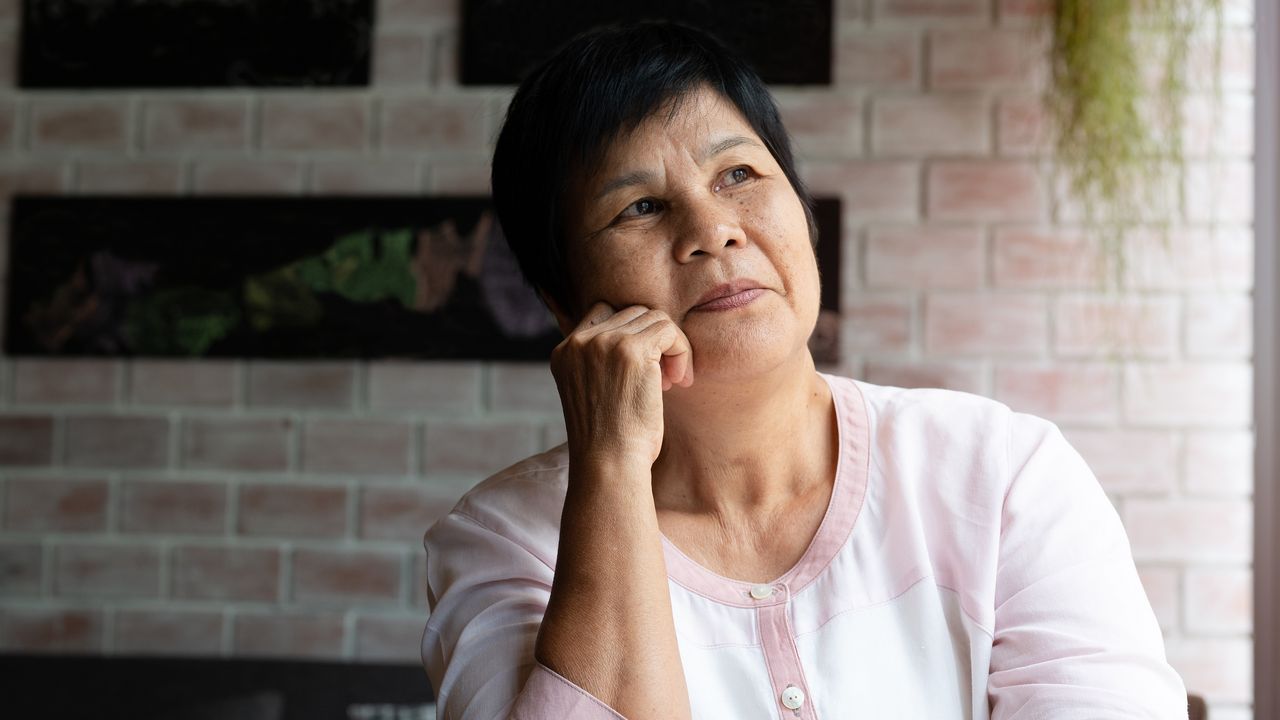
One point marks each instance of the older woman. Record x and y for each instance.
(729, 533)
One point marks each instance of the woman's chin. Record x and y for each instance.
(745, 352)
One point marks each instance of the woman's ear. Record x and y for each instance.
(566, 323)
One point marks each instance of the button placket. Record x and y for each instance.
(781, 656)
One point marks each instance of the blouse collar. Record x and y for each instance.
(842, 511)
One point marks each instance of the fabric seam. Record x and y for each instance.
(880, 603)
(513, 541)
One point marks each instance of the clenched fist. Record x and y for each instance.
(611, 372)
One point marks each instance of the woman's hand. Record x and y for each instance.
(611, 372)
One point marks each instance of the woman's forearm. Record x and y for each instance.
(608, 626)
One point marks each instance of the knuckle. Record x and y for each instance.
(630, 347)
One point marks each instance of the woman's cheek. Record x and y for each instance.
(618, 273)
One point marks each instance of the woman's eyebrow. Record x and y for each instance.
(732, 141)
(640, 177)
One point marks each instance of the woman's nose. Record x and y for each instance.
(707, 228)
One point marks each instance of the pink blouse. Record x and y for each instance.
(968, 566)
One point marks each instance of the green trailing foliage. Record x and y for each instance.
(1119, 73)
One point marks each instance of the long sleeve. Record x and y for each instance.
(1075, 636)
(487, 595)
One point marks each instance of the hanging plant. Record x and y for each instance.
(1115, 100)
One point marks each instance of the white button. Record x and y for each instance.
(792, 697)
(761, 592)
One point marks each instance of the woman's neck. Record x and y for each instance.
(737, 448)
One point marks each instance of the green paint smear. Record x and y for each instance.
(362, 267)
(180, 321)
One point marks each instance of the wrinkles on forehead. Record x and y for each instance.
(591, 158)
(693, 107)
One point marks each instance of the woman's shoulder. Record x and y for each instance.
(932, 409)
(523, 501)
(952, 441)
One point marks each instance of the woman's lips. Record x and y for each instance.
(729, 302)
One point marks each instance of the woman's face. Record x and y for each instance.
(685, 203)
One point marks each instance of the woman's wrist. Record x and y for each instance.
(616, 458)
(610, 469)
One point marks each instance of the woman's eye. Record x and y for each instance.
(735, 176)
(641, 207)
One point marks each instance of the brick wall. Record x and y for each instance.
(253, 508)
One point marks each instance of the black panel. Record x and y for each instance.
(194, 43)
(788, 43)
(269, 278)
(826, 212)
(824, 343)
(72, 688)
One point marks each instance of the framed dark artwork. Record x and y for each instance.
(411, 277)
(787, 43)
(194, 43)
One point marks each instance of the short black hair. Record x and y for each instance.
(600, 84)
